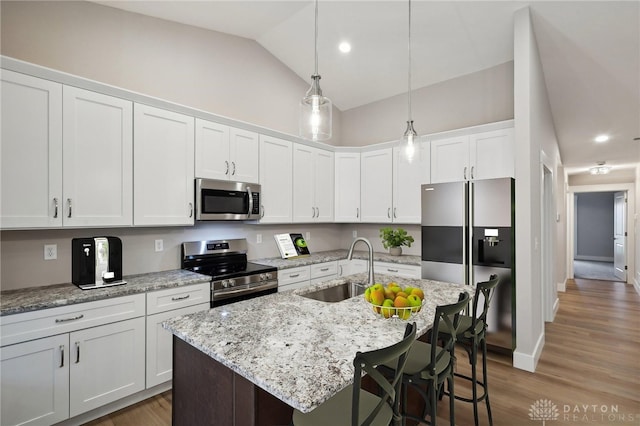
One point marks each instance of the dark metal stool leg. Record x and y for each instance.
(484, 379)
(474, 380)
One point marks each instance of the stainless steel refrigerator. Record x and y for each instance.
(467, 235)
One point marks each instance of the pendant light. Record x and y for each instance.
(315, 109)
(410, 136)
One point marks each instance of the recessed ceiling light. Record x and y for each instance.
(601, 138)
(345, 47)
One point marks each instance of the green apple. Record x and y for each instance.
(387, 310)
(415, 302)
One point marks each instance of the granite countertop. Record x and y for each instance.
(298, 349)
(332, 255)
(51, 296)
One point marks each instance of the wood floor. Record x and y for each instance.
(589, 369)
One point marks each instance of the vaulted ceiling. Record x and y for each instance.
(590, 53)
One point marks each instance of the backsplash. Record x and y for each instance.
(22, 261)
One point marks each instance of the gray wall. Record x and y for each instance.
(594, 226)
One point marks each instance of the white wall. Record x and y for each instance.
(219, 73)
(482, 97)
(536, 143)
(636, 281)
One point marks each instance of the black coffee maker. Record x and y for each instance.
(96, 262)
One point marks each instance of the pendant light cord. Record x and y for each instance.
(409, 82)
(316, 40)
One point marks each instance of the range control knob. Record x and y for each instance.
(263, 277)
(225, 283)
(232, 283)
(268, 275)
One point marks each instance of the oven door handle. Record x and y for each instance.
(230, 293)
(250, 202)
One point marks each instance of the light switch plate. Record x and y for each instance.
(258, 238)
(159, 245)
(307, 236)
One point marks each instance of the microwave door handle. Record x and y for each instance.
(250, 202)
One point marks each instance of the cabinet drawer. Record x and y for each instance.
(324, 269)
(407, 271)
(178, 297)
(48, 322)
(293, 275)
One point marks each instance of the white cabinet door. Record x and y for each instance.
(376, 185)
(31, 152)
(450, 159)
(212, 150)
(304, 208)
(312, 184)
(396, 269)
(160, 344)
(492, 154)
(244, 159)
(407, 179)
(324, 186)
(97, 158)
(347, 187)
(107, 363)
(275, 180)
(35, 382)
(353, 266)
(164, 167)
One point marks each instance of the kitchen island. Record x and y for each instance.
(238, 363)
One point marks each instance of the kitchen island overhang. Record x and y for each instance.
(294, 348)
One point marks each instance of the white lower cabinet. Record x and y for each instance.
(71, 365)
(323, 272)
(107, 363)
(397, 269)
(291, 278)
(35, 382)
(353, 266)
(162, 305)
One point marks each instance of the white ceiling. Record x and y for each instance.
(590, 53)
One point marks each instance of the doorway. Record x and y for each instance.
(598, 243)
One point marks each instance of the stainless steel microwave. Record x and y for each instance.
(226, 200)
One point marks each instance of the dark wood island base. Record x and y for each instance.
(205, 392)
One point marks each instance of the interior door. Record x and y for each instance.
(620, 236)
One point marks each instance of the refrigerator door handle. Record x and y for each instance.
(464, 172)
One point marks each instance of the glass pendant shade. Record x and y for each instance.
(409, 140)
(315, 113)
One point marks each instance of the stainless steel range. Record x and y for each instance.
(232, 277)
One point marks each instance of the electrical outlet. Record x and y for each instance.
(258, 238)
(307, 236)
(159, 245)
(355, 234)
(50, 251)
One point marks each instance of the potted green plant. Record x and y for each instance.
(394, 239)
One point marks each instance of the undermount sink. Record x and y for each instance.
(337, 293)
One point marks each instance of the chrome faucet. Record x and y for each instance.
(368, 243)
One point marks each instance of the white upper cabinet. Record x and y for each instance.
(31, 152)
(312, 184)
(376, 185)
(347, 186)
(275, 180)
(492, 154)
(97, 158)
(164, 167)
(482, 155)
(225, 153)
(407, 179)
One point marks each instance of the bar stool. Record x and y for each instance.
(471, 334)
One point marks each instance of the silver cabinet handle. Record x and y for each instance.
(389, 212)
(61, 356)
(324, 269)
(472, 167)
(77, 352)
(69, 319)
(358, 212)
(233, 173)
(313, 212)
(392, 270)
(340, 270)
(465, 172)
(190, 209)
(226, 164)
(69, 204)
(294, 275)
(175, 299)
(394, 213)
(55, 208)
(317, 211)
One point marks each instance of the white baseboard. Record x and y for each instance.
(636, 285)
(116, 405)
(556, 306)
(562, 286)
(528, 362)
(595, 258)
